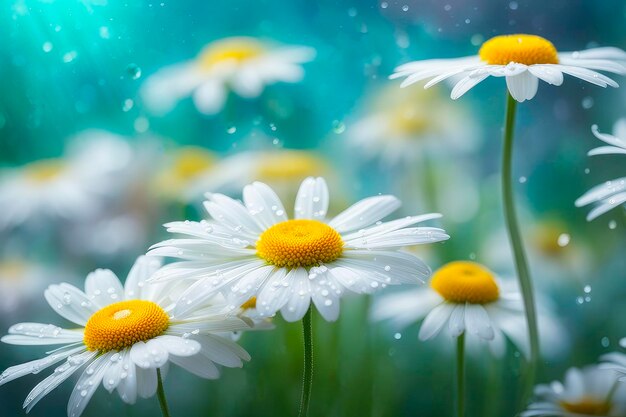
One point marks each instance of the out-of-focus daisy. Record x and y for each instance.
(73, 187)
(523, 60)
(124, 335)
(405, 126)
(19, 281)
(253, 249)
(182, 169)
(466, 297)
(558, 257)
(590, 391)
(610, 194)
(282, 169)
(242, 65)
(616, 361)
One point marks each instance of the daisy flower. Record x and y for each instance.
(282, 169)
(590, 391)
(19, 281)
(523, 60)
(242, 65)
(612, 193)
(467, 298)
(616, 361)
(73, 187)
(126, 333)
(253, 249)
(404, 126)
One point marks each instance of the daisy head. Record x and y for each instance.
(242, 65)
(465, 297)
(122, 335)
(403, 125)
(616, 361)
(253, 249)
(282, 169)
(590, 391)
(72, 187)
(523, 60)
(610, 194)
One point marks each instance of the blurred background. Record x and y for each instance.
(93, 163)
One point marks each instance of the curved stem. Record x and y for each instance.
(161, 394)
(521, 265)
(307, 381)
(460, 374)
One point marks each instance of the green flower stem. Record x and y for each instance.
(460, 375)
(307, 329)
(521, 265)
(161, 394)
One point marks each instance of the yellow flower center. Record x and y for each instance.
(546, 238)
(588, 406)
(44, 170)
(465, 282)
(13, 270)
(296, 243)
(409, 122)
(237, 50)
(522, 49)
(288, 165)
(121, 325)
(192, 161)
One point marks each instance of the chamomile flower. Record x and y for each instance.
(523, 60)
(242, 65)
(253, 249)
(611, 194)
(405, 126)
(465, 297)
(282, 169)
(73, 187)
(590, 391)
(125, 333)
(616, 361)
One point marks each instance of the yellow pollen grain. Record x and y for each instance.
(237, 50)
(299, 243)
(588, 407)
(44, 170)
(465, 282)
(121, 325)
(521, 49)
(250, 304)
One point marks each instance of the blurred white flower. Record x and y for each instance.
(282, 169)
(590, 391)
(242, 65)
(126, 333)
(19, 281)
(253, 249)
(610, 194)
(523, 60)
(69, 188)
(465, 297)
(406, 126)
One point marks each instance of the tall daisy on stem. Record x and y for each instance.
(252, 249)
(523, 60)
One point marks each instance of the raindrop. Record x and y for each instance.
(580, 300)
(587, 170)
(587, 289)
(128, 104)
(523, 179)
(338, 127)
(69, 56)
(513, 5)
(612, 224)
(397, 336)
(133, 71)
(231, 130)
(605, 342)
(104, 32)
(563, 239)
(384, 5)
(47, 47)
(587, 103)
(405, 8)
(352, 12)
(328, 303)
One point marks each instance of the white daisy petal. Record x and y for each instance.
(263, 204)
(143, 268)
(233, 214)
(87, 385)
(210, 97)
(103, 287)
(602, 191)
(40, 334)
(113, 374)
(547, 73)
(150, 354)
(364, 213)
(435, 321)
(300, 298)
(198, 365)
(127, 387)
(325, 295)
(70, 303)
(179, 346)
(146, 382)
(276, 292)
(222, 351)
(607, 205)
(312, 199)
(606, 150)
(456, 323)
(478, 322)
(465, 84)
(60, 374)
(36, 366)
(523, 86)
(590, 76)
(610, 139)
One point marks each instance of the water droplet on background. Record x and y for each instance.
(133, 71)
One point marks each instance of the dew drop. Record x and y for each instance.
(133, 71)
(397, 336)
(563, 240)
(612, 224)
